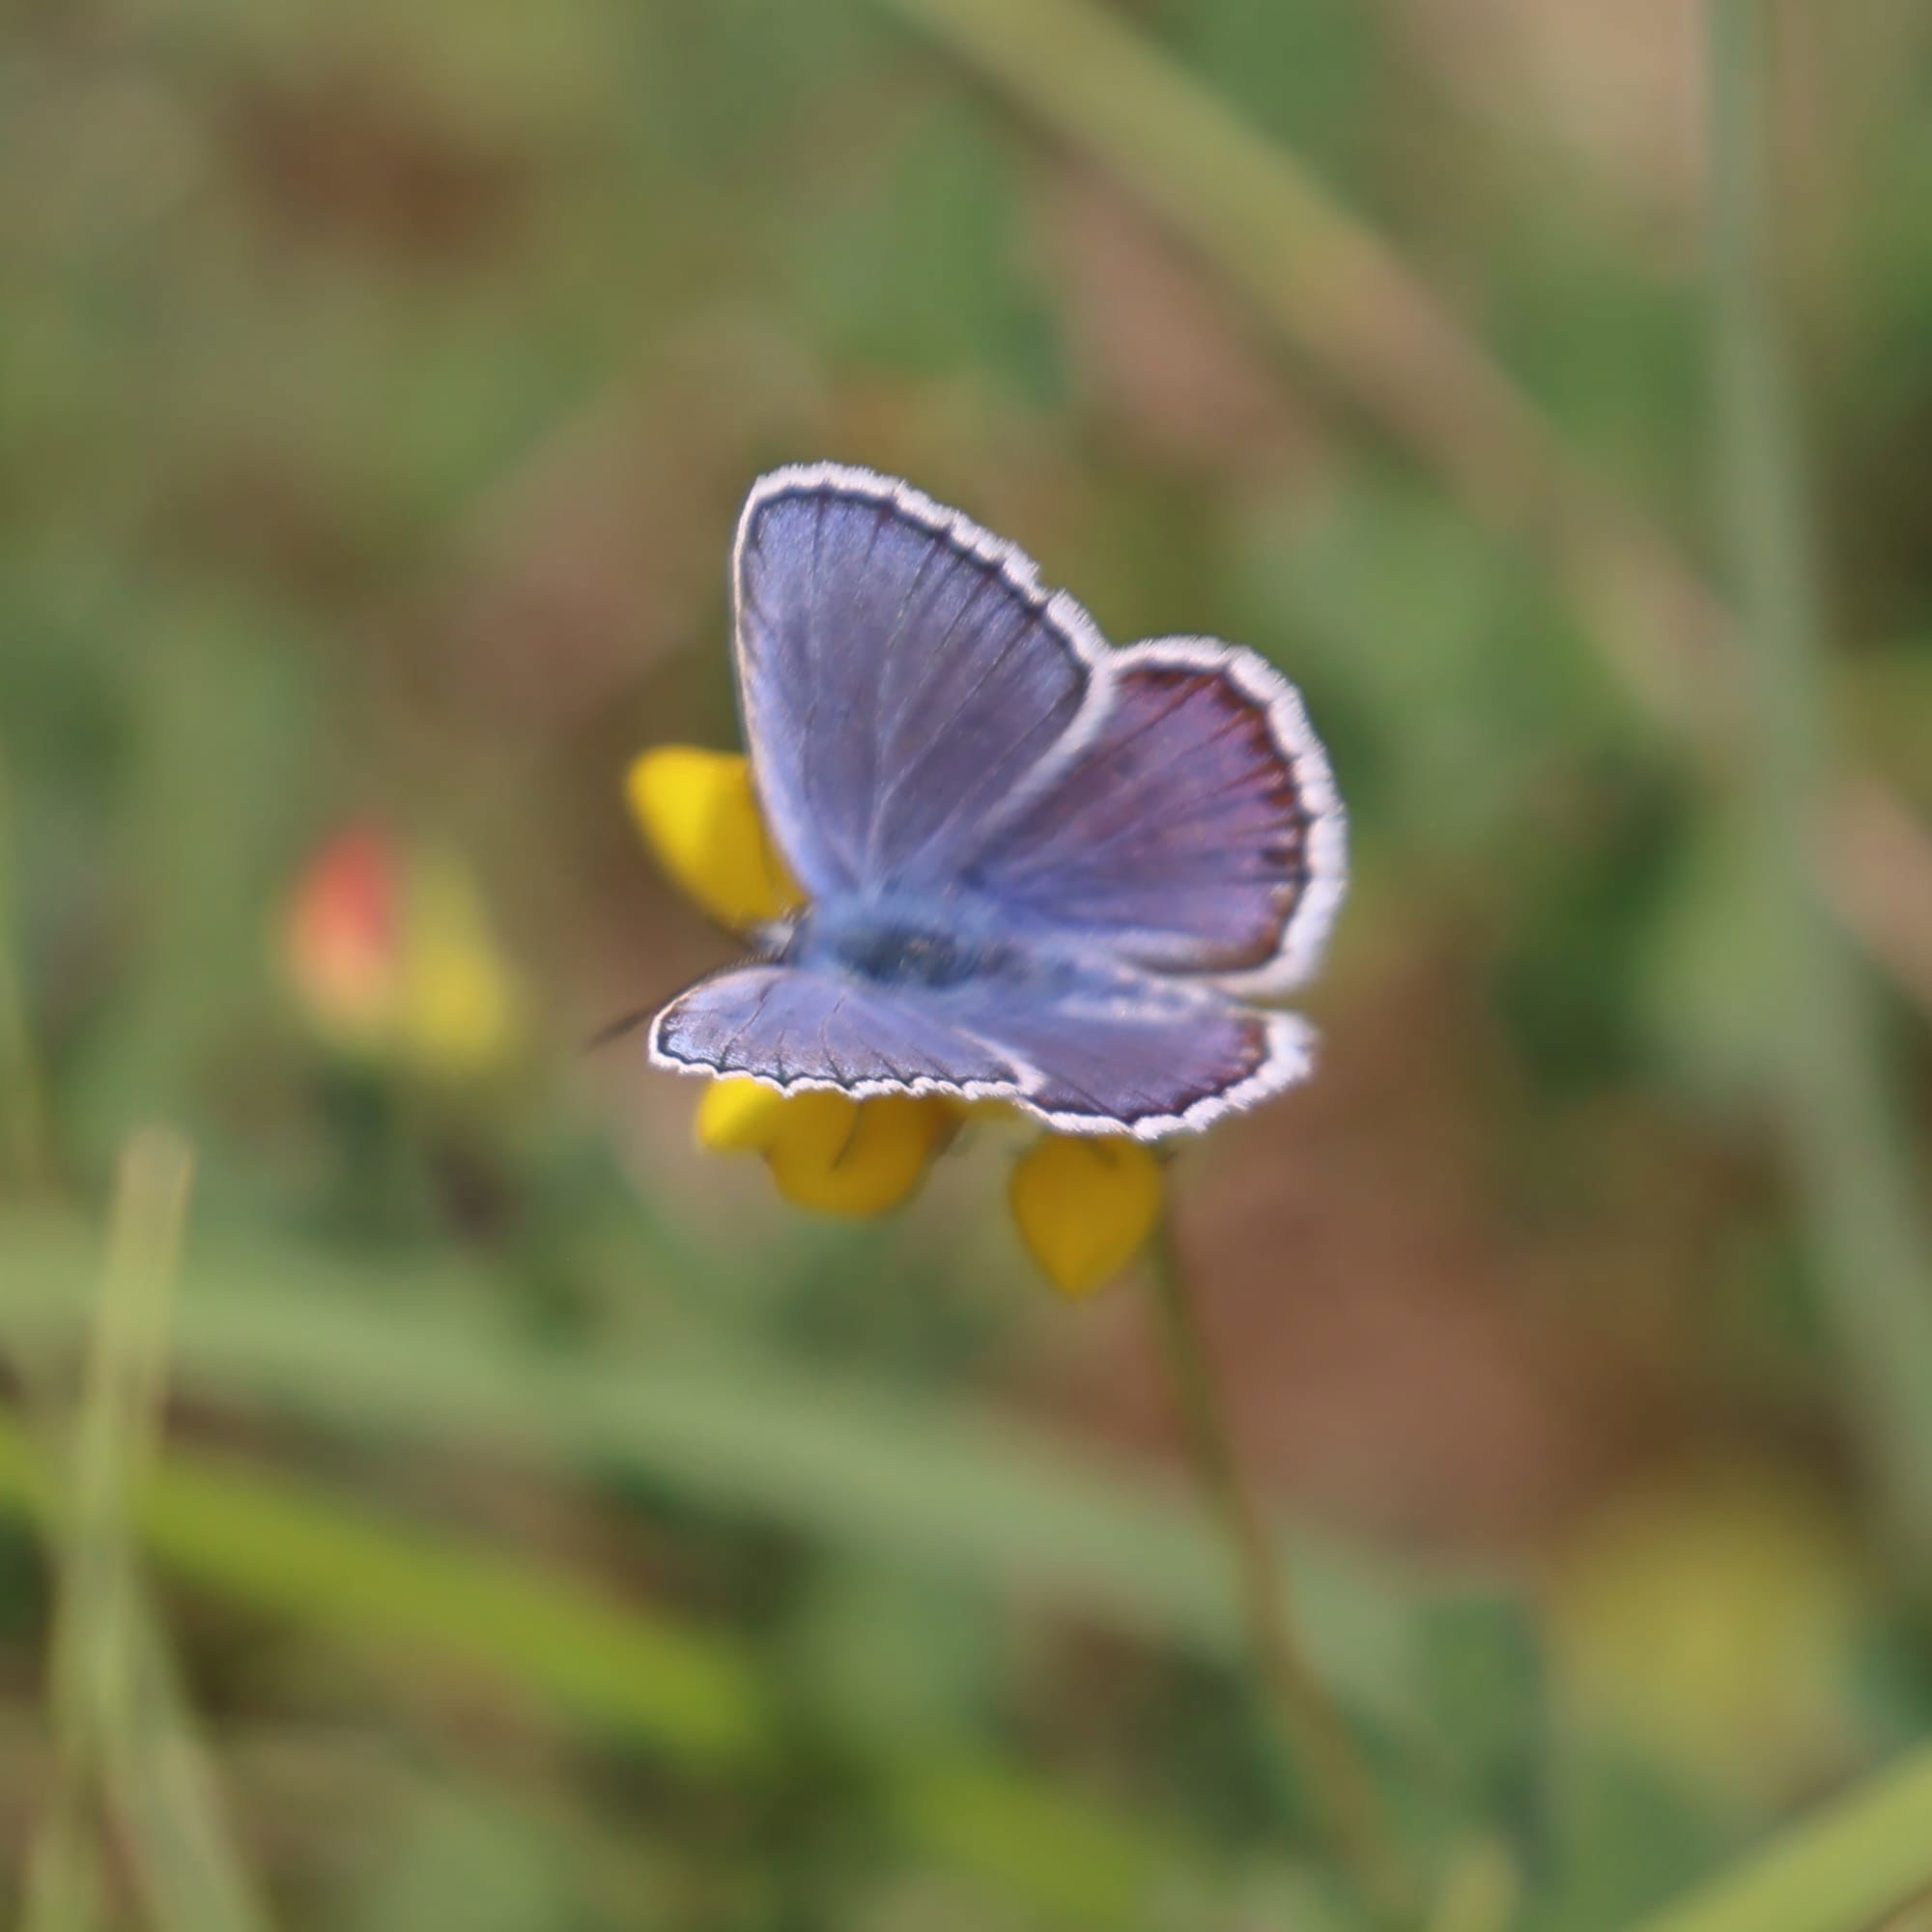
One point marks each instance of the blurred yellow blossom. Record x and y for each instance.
(388, 952)
(827, 1152)
(1708, 1615)
(1086, 1207)
(700, 814)
(458, 1013)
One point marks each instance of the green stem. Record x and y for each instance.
(124, 1746)
(1318, 1737)
(1849, 1148)
(95, 1601)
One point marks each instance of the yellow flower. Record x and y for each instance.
(699, 814)
(459, 1012)
(828, 1152)
(1084, 1207)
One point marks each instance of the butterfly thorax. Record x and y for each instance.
(932, 944)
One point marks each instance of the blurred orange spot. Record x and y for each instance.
(341, 944)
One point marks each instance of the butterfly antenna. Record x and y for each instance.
(617, 1028)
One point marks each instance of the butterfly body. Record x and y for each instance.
(1040, 869)
(913, 940)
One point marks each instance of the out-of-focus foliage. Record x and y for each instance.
(554, 1528)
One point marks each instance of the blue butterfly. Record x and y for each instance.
(1041, 869)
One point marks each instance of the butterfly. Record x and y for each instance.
(1039, 868)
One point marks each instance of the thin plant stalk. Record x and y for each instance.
(1318, 1739)
(1342, 298)
(122, 1745)
(92, 1622)
(1847, 1140)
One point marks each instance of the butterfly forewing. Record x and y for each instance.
(901, 673)
(1195, 830)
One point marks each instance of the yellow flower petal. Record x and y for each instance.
(738, 1115)
(1086, 1207)
(460, 1005)
(858, 1158)
(699, 814)
(993, 1114)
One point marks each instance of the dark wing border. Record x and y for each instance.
(1310, 922)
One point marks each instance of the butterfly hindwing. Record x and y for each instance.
(1195, 830)
(1144, 1057)
(1133, 1057)
(789, 1027)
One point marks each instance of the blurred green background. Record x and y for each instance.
(554, 1530)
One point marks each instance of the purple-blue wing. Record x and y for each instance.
(1193, 827)
(792, 1027)
(1143, 1060)
(1135, 1059)
(901, 673)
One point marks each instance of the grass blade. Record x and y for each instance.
(983, 1501)
(1840, 1871)
(122, 1737)
(1846, 1135)
(698, 1696)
